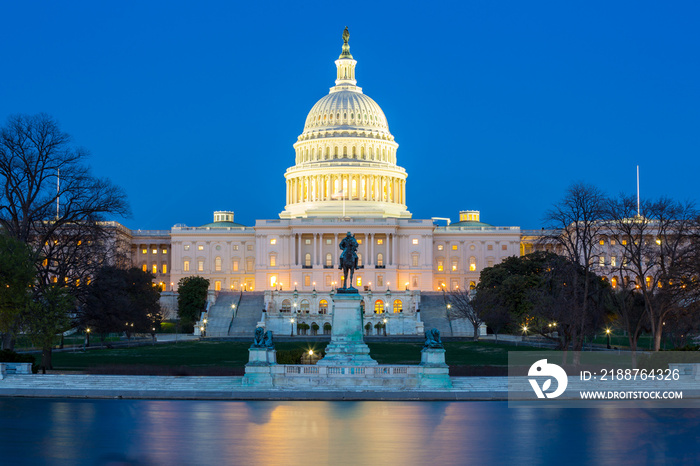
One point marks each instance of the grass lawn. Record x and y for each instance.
(216, 354)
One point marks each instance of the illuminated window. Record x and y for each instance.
(602, 242)
(307, 280)
(144, 267)
(359, 241)
(45, 262)
(249, 247)
(415, 241)
(380, 280)
(249, 265)
(235, 247)
(200, 247)
(186, 266)
(286, 306)
(187, 247)
(613, 261)
(323, 307)
(472, 285)
(307, 241)
(489, 262)
(273, 241)
(273, 260)
(155, 269)
(154, 251)
(200, 266)
(454, 265)
(307, 260)
(440, 247)
(398, 306)
(165, 268)
(380, 241)
(440, 265)
(144, 251)
(304, 306)
(359, 281)
(235, 266)
(504, 247)
(454, 247)
(359, 259)
(329, 241)
(329, 260)
(601, 261)
(273, 281)
(414, 259)
(379, 307)
(472, 264)
(217, 285)
(490, 247)
(624, 242)
(613, 282)
(217, 264)
(380, 259)
(648, 279)
(612, 242)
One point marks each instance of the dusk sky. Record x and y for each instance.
(193, 107)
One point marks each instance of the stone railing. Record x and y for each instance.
(20, 368)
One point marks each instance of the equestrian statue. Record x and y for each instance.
(348, 262)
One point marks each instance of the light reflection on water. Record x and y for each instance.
(41, 431)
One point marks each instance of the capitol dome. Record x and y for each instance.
(346, 157)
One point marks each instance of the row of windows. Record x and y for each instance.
(379, 306)
(154, 268)
(200, 247)
(153, 251)
(217, 265)
(455, 264)
(489, 247)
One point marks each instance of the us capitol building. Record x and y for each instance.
(345, 177)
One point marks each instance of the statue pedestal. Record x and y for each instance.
(258, 371)
(347, 347)
(435, 372)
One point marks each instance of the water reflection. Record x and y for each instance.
(36, 431)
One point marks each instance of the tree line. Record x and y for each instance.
(600, 261)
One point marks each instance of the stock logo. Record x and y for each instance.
(543, 369)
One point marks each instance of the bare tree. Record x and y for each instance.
(51, 202)
(655, 242)
(460, 306)
(577, 221)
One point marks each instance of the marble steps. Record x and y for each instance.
(433, 312)
(221, 314)
(248, 315)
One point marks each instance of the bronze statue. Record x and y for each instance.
(346, 35)
(348, 259)
(259, 338)
(432, 339)
(267, 340)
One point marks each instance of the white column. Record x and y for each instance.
(335, 249)
(314, 259)
(393, 249)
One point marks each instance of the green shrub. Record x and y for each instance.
(168, 327)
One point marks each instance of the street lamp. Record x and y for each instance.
(406, 286)
(291, 327)
(385, 321)
(607, 331)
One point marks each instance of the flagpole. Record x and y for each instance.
(638, 209)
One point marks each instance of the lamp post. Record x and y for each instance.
(291, 327)
(607, 331)
(385, 322)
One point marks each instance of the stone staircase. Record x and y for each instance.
(433, 312)
(248, 314)
(221, 313)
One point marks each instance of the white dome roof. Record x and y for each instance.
(346, 110)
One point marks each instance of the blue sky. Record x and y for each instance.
(496, 106)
